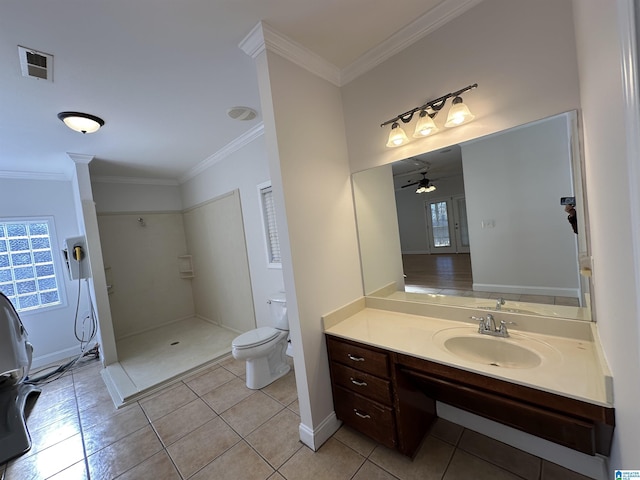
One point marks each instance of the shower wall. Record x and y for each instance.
(142, 268)
(222, 284)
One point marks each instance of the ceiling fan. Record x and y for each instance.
(424, 185)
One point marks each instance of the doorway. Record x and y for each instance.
(447, 227)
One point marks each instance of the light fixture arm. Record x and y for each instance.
(435, 105)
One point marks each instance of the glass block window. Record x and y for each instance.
(270, 227)
(27, 271)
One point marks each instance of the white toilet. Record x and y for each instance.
(264, 348)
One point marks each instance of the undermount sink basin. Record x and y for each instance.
(516, 351)
(492, 351)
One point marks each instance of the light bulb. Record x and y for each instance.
(397, 136)
(425, 126)
(458, 114)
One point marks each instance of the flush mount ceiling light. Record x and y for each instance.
(81, 122)
(458, 115)
(242, 113)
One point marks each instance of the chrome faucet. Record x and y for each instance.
(487, 326)
(499, 302)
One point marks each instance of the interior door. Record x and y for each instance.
(461, 227)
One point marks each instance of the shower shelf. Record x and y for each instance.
(185, 266)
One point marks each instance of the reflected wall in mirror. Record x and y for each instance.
(493, 228)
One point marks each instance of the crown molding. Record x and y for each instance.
(263, 37)
(224, 152)
(134, 180)
(9, 175)
(416, 30)
(81, 158)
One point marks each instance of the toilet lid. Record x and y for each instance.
(256, 337)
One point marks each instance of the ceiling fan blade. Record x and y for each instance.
(410, 184)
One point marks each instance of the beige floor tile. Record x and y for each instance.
(208, 381)
(123, 455)
(551, 471)
(53, 408)
(294, 407)
(101, 412)
(227, 395)
(167, 401)
(240, 462)
(91, 399)
(429, 463)
(354, 439)
(284, 389)
(202, 446)
(77, 471)
(446, 431)
(48, 462)
(157, 467)
(237, 367)
(370, 471)
(51, 434)
(184, 420)
(333, 461)
(250, 413)
(516, 461)
(464, 466)
(114, 428)
(277, 439)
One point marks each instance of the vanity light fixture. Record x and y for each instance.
(458, 114)
(81, 122)
(397, 136)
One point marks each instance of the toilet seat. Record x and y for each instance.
(255, 338)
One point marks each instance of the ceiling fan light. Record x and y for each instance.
(458, 114)
(397, 136)
(425, 126)
(81, 122)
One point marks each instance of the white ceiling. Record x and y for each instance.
(162, 73)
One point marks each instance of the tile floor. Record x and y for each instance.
(210, 426)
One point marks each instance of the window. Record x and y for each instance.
(27, 270)
(270, 227)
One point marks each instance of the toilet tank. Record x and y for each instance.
(278, 311)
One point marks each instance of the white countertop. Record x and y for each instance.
(572, 367)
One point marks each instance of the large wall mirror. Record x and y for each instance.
(488, 230)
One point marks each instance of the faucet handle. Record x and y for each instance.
(503, 328)
(482, 326)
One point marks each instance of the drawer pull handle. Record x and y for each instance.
(361, 415)
(355, 359)
(358, 383)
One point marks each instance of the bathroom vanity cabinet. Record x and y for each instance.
(391, 397)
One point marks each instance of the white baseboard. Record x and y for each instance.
(314, 438)
(55, 357)
(591, 466)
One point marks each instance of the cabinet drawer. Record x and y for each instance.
(359, 357)
(363, 383)
(368, 417)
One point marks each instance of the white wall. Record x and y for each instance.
(521, 54)
(412, 217)
(244, 169)
(115, 197)
(610, 167)
(315, 216)
(377, 223)
(51, 331)
(515, 179)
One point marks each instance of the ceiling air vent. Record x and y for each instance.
(36, 64)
